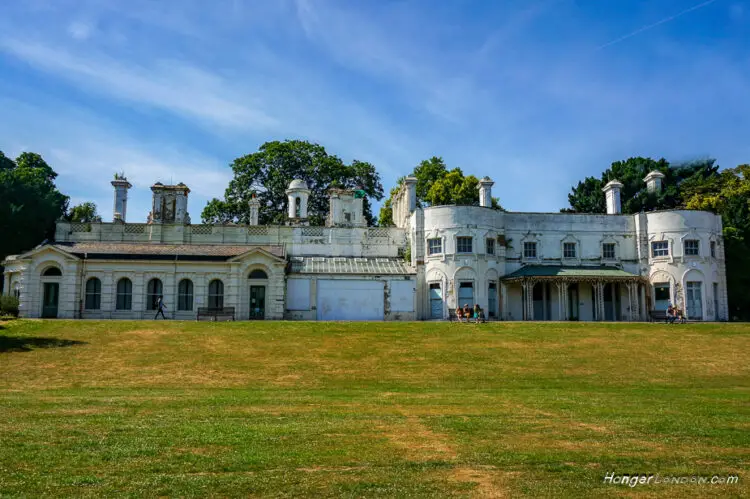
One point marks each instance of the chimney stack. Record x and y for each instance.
(411, 192)
(121, 185)
(654, 181)
(612, 194)
(485, 192)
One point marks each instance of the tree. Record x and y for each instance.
(83, 213)
(436, 186)
(587, 196)
(269, 171)
(29, 203)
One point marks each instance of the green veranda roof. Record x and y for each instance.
(573, 272)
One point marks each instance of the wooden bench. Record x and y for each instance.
(215, 314)
(658, 315)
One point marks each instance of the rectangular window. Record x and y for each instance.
(529, 250)
(569, 250)
(463, 245)
(608, 251)
(490, 246)
(434, 246)
(713, 249)
(659, 248)
(692, 247)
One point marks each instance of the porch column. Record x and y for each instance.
(503, 300)
(562, 305)
(599, 290)
(529, 305)
(629, 285)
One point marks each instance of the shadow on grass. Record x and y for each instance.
(17, 344)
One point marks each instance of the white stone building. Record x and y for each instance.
(516, 266)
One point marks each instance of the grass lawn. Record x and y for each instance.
(92, 408)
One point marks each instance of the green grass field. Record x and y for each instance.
(92, 408)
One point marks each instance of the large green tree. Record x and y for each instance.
(83, 213)
(587, 196)
(437, 186)
(29, 203)
(269, 171)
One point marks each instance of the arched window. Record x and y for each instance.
(93, 294)
(52, 272)
(258, 274)
(216, 294)
(185, 295)
(17, 291)
(297, 207)
(124, 294)
(153, 292)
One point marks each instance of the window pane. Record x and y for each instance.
(692, 247)
(93, 294)
(608, 251)
(153, 292)
(185, 295)
(569, 250)
(434, 246)
(529, 250)
(216, 294)
(463, 245)
(713, 249)
(490, 246)
(659, 248)
(124, 294)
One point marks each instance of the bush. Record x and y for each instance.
(9, 305)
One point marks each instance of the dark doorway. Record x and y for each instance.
(257, 302)
(51, 299)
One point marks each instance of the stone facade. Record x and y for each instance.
(516, 266)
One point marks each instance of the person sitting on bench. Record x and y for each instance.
(478, 313)
(459, 314)
(671, 314)
(467, 312)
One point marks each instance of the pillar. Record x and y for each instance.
(503, 300)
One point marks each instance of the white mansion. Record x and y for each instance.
(516, 266)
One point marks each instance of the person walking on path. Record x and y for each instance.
(160, 308)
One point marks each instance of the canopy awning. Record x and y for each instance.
(561, 272)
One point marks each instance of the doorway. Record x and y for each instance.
(257, 302)
(694, 301)
(573, 309)
(51, 299)
(436, 301)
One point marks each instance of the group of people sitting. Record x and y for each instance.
(674, 314)
(466, 314)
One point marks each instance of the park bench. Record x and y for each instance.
(658, 315)
(215, 314)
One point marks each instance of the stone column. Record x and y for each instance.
(599, 290)
(562, 291)
(503, 300)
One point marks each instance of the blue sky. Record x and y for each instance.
(537, 94)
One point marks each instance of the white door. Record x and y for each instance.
(694, 301)
(350, 300)
(436, 301)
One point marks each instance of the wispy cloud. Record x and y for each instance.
(657, 23)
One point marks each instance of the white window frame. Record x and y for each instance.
(614, 251)
(654, 250)
(567, 245)
(489, 243)
(531, 244)
(471, 245)
(439, 241)
(697, 247)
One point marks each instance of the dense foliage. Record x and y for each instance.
(83, 213)
(437, 186)
(269, 171)
(697, 185)
(29, 203)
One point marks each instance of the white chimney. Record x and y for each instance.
(411, 192)
(120, 208)
(485, 192)
(654, 181)
(612, 194)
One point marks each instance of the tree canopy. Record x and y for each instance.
(437, 186)
(587, 196)
(29, 202)
(83, 213)
(269, 171)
